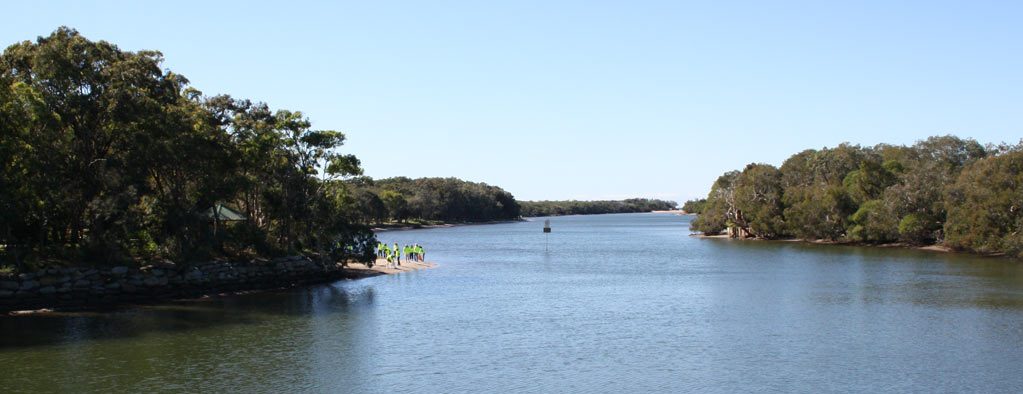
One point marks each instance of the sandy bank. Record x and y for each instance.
(380, 268)
(930, 248)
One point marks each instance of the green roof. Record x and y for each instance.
(223, 214)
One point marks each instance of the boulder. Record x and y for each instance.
(119, 270)
(29, 285)
(9, 285)
(48, 280)
(151, 282)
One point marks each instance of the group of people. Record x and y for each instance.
(393, 255)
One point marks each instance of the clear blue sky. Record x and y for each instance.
(587, 99)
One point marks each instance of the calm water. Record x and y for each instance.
(621, 303)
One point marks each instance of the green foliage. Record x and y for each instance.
(758, 201)
(874, 222)
(869, 181)
(985, 205)
(106, 157)
(917, 229)
(817, 211)
(720, 206)
(557, 208)
(395, 205)
(695, 206)
(942, 189)
(439, 199)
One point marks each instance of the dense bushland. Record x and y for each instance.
(943, 190)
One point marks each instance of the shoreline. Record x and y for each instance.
(380, 268)
(673, 211)
(94, 289)
(440, 225)
(899, 245)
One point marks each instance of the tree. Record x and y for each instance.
(758, 201)
(695, 206)
(134, 157)
(396, 205)
(817, 205)
(985, 206)
(720, 208)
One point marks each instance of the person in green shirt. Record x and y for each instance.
(397, 254)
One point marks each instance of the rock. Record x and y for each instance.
(166, 264)
(29, 285)
(113, 286)
(9, 285)
(157, 272)
(48, 280)
(6, 293)
(151, 282)
(26, 276)
(47, 290)
(82, 283)
(119, 270)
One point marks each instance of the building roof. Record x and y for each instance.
(223, 214)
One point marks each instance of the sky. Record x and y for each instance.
(586, 99)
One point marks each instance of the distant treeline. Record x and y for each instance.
(430, 199)
(943, 190)
(556, 208)
(695, 206)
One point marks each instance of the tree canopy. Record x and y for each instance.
(107, 157)
(435, 199)
(945, 190)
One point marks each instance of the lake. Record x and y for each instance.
(619, 303)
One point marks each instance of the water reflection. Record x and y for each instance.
(620, 303)
(181, 316)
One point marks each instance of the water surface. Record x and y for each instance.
(619, 303)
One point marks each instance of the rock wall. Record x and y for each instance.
(78, 288)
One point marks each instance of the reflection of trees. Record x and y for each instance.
(247, 343)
